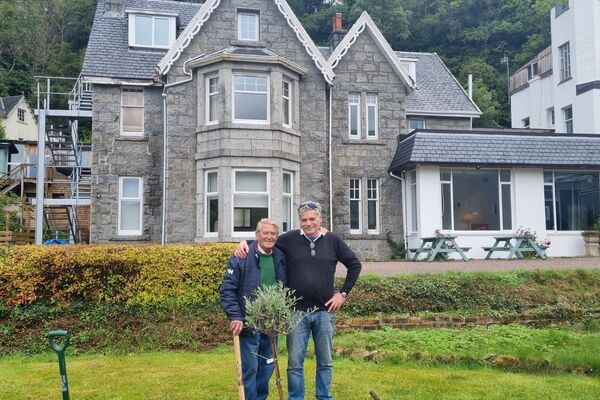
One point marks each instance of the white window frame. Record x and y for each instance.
(355, 195)
(568, 121)
(20, 115)
(410, 65)
(133, 35)
(233, 193)
(375, 107)
(137, 90)
(289, 195)
(268, 93)
(139, 199)
(373, 196)
(254, 14)
(565, 61)
(207, 197)
(414, 202)
(210, 94)
(287, 98)
(352, 103)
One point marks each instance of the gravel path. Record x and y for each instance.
(409, 267)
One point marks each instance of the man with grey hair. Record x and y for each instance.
(312, 257)
(265, 265)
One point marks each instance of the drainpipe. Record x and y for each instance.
(403, 189)
(330, 144)
(166, 87)
(471, 94)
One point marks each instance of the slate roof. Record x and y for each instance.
(437, 90)
(8, 103)
(509, 147)
(108, 53)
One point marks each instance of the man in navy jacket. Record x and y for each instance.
(264, 265)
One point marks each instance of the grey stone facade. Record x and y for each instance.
(301, 150)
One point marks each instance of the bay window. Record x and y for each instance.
(476, 199)
(250, 199)
(212, 100)
(287, 201)
(212, 202)
(287, 103)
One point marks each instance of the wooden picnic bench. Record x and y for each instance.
(523, 244)
(439, 244)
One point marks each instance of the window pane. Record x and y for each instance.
(445, 175)
(548, 207)
(213, 214)
(130, 215)
(548, 177)
(161, 31)
(504, 176)
(372, 214)
(211, 182)
(371, 121)
(251, 106)
(446, 207)
(354, 120)
(577, 200)
(287, 183)
(247, 28)
(133, 119)
(250, 181)
(506, 208)
(286, 103)
(131, 188)
(143, 30)
(133, 97)
(213, 113)
(476, 200)
(354, 214)
(416, 123)
(287, 214)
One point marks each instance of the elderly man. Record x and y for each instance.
(265, 265)
(312, 256)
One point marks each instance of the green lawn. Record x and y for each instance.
(211, 375)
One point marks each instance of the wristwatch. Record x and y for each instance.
(344, 294)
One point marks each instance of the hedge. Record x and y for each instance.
(114, 274)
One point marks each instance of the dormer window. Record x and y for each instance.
(410, 65)
(146, 30)
(248, 25)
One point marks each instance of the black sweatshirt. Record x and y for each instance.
(312, 278)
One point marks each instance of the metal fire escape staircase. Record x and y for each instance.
(69, 176)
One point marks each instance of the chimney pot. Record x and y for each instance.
(337, 22)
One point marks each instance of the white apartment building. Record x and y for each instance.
(560, 88)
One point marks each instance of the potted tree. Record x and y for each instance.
(592, 240)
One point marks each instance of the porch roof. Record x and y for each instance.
(505, 148)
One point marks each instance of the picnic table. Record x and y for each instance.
(522, 244)
(439, 244)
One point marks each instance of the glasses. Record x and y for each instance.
(312, 249)
(309, 204)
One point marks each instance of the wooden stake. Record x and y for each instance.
(277, 375)
(238, 364)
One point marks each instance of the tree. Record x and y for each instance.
(2, 128)
(272, 313)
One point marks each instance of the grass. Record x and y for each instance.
(513, 347)
(211, 375)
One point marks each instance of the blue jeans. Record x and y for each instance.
(321, 325)
(257, 365)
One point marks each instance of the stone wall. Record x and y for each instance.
(365, 69)
(115, 156)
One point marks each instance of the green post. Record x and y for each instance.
(59, 347)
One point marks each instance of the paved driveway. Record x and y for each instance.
(409, 267)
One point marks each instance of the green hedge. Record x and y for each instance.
(100, 274)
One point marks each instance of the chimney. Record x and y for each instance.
(114, 8)
(338, 32)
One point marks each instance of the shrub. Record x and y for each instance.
(131, 275)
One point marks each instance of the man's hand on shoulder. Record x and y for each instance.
(241, 250)
(323, 230)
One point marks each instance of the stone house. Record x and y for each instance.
(208, 117)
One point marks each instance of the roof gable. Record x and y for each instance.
(364, 22)
(7, 104)
(205, 13)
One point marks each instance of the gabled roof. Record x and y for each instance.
(437, 91)
(500, 148)
(108, 54)
(363, 22)
(7, 104)
(206, 11)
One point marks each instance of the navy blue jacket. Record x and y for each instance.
(242, 277)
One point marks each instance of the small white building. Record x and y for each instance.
(479, 184)
(560, 88)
